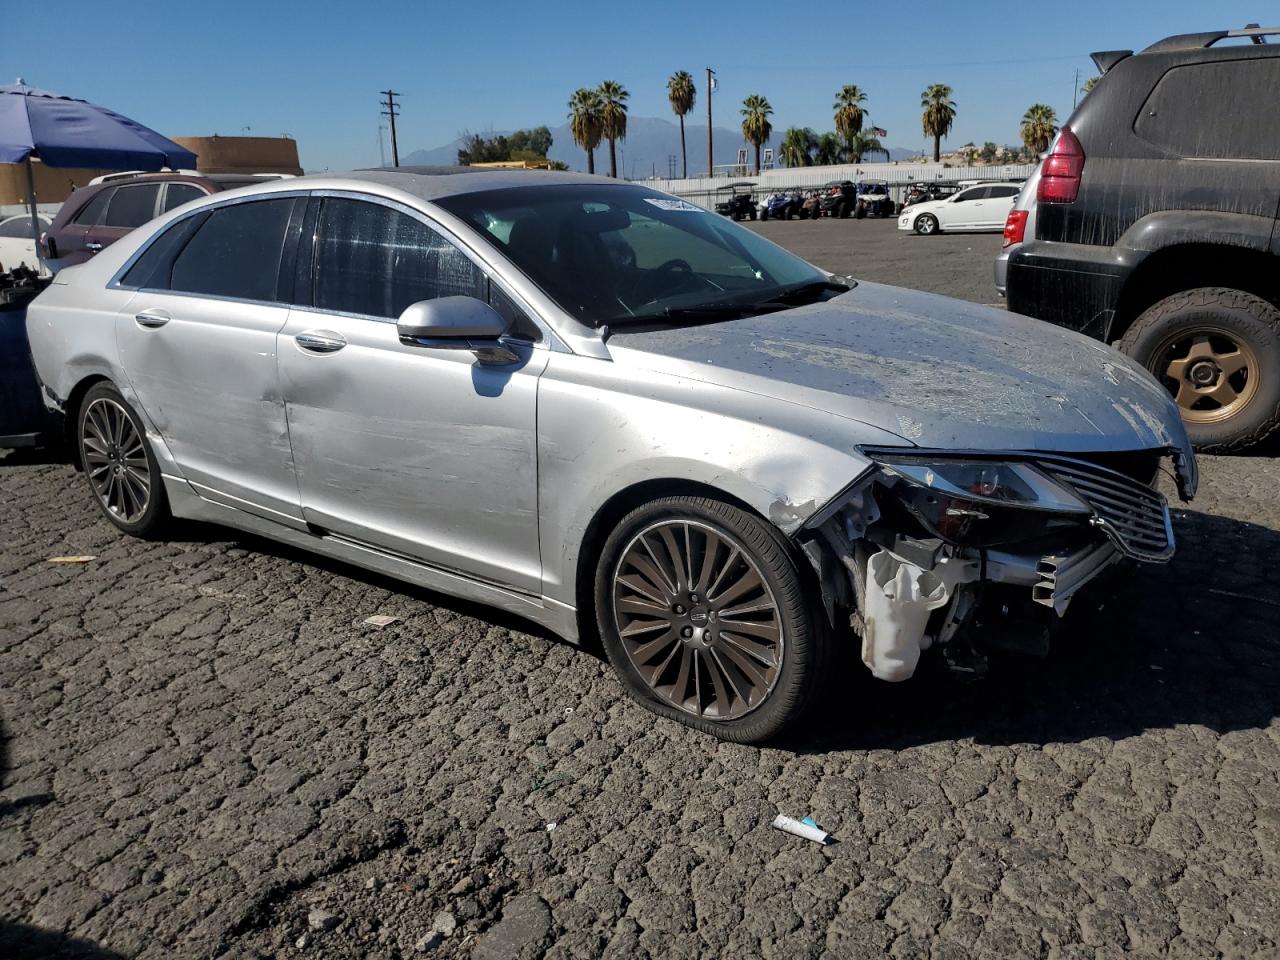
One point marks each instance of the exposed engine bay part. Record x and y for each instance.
(899, 600)
(909, 551)
(1062, 576)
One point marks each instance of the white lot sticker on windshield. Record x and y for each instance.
(663, 203)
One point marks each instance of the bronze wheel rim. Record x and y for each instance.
(697, 619)
(115, 460)
(1210, 373)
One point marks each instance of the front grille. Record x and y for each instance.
(1134, 516)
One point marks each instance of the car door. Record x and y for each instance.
(198, 343)
(419, 450)
(997, 204)
(965, 209)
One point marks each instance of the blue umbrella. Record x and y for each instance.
(65, 132)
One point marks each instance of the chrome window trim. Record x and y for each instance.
(115, 282)
(551, 340)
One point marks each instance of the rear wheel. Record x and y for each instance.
(704, 617)
(118, 462)
(1217, 351)
(926, 224)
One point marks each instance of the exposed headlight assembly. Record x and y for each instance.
(983, 502)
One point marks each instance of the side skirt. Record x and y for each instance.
(558, 617)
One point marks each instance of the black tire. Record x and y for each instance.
(1222, 315)
(752, 214)
(860, 212)
(151, 519)
(926, 225)
(842, 209)
(805, 638)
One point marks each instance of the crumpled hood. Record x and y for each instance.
(936, 371)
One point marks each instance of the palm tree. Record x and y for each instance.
(1039, 124)
(864, 142)
(613, 119)
(1090, 84)
(682, 94)
(849, 113)
(756, 127)
(798, 145)
(584, 122)
(939, 114)
(828, 150)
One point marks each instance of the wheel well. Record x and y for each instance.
(608, 517)
(1187, 266)
(71, 414)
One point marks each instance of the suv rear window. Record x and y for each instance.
(1215, 111)
(132, 206)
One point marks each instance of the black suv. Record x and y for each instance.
(1155, 226)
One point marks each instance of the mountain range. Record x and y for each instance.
(644, 153)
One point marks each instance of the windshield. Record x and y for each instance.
(612, 253)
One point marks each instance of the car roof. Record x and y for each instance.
(434, 183)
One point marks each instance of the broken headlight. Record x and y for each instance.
(983, 502)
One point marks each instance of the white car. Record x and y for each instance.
(985, 206)
(17, 246)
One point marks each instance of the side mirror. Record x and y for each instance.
(451, 318)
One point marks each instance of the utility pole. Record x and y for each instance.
(1075, 90)
(392, 110)
(711, 85)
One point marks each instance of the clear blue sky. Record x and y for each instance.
(313, 70)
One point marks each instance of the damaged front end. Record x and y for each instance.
(974, 551)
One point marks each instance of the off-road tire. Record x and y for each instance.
(1254, 321)
(155, 520)
(807, 646)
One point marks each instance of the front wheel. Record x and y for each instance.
(1217, 351)
(926, 224)
(704, 616)
(118, 463)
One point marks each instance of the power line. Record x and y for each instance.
(392, 110)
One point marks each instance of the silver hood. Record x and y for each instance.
(936, 371)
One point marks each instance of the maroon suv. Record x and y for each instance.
(98, 215)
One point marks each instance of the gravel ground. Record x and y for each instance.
(207, 753)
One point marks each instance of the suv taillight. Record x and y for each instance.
(1015, 227)
(1060, 171)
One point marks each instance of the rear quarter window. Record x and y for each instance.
(132, 206)
(92, 211)
(1215, 111)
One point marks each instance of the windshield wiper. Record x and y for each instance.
(806, 292)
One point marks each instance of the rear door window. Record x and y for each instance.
(373, 260)
(1215, 111)
(235, 252)
(1002, 191)
(132, 206)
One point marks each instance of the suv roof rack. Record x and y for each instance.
(1196, 41)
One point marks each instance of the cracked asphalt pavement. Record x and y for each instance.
(208, 753)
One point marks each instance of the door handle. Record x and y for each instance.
(92, 247)
(320, 341)
(152, 318)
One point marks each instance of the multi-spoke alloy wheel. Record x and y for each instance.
(118, 462)
(697, 619)
(707, 616)
(115, 459)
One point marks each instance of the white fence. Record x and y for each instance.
(703, 190)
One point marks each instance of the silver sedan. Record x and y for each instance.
(613, 413)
